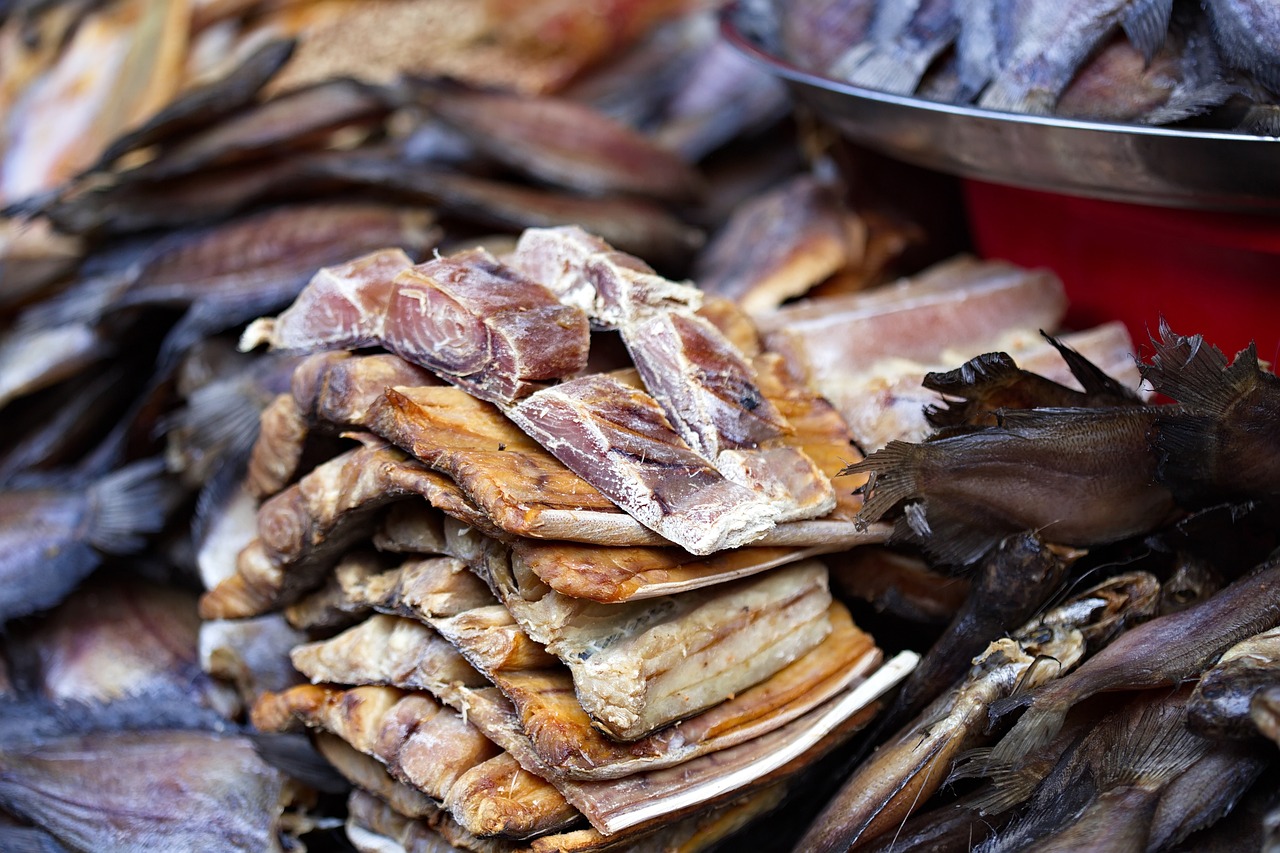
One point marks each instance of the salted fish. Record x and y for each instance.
(251, 654)
(777, 246)
(468, 318)
(304, 530)
(906, 770)
(706, 387)
(1220, 705)
(617, 438)
(430, 747)
(329, 391)
(369, 775)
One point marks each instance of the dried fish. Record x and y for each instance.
(33, 359)
(252, 654)
(1220, 705)
(1248, 33)
(1079, 476)
(468, 318)
(814, 33)
(906, 770)
(898, 584)
(1166, 650)
(778, 245)
(1204, 793)
(564, 143)
(903, 40)
(55, 533)
(99, 791)
(617, 438)
(1217, 447)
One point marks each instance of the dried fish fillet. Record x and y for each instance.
(618, 439)
(431, 748)
(304, 530)
(441, 586)
(368, 774)
(470, 319)
(778, 246)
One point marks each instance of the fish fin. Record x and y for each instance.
(892, 478)
(85, 302)
(990, 368)
(1261, 120)
(1036, 727)
(220, 415)
(294, 754)
(126, 503)
(1186, 446)
(947, 541)
(1196, 373)
(28, 839)
(849, 61)
(1146, 23)
(1010, 784)
(1093, 379)
(894, 71)
(1151, 750)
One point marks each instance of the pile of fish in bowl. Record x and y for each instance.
(501, 432)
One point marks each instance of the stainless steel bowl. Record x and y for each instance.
(1207, 170)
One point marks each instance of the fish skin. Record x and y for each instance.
(900, 49)
(1054, 39)
(814, 33)
(566, 144)
(1206, 792)
(54, 535)
(102, 792)
(1248, 32)
(1220, 705)
(1164, 651)
(33, 359)
(1080, 477)
(906, 770)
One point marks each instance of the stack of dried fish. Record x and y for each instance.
(1142, 61)
(529, 577)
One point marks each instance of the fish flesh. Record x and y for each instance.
(468, 318)
(1219, 706)
(617, 438)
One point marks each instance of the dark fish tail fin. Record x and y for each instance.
(127, 503)
(892, 480)
(970, 382)
(1036, 728)
(1196, 374)
(1146, 23)
(220, 414)
(1011, 784)
(1093, 379)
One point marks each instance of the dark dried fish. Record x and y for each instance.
(1078, 476)
(898, 584)
(100, 791)
(1207, 791)
(55, 533)
(1220, 705)
(1248, 32)
(1167, 650)
(565, 143)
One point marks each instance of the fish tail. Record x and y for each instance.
(1010, 784)
(983, 371)
(1146, 23)
(889, 71)
(1036, 728)
(1196, 373)
(1009, 96)
(892, 479)
(127, 503)
(221, 414)
(1152, 750)
(1093, 379)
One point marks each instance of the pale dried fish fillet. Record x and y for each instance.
(411, 527)
(421, 589)
(618, 439)
(329, 608)
(368, 774)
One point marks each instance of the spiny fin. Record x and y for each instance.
(1011, 784)
(220, 414)
(948, 541)
(892, 480)
(1093, 379)
(127, 503)
(1151, 750)
(1196, 374)
(1037, 727)
(1187, 446)
(967, 380)
(1146, 23)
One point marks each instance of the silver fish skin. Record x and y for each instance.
(147, 791)
(1248, 31)
(905, 39)
(54, 535)
(1054, 38)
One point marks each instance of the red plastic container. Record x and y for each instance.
(1216, 274)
